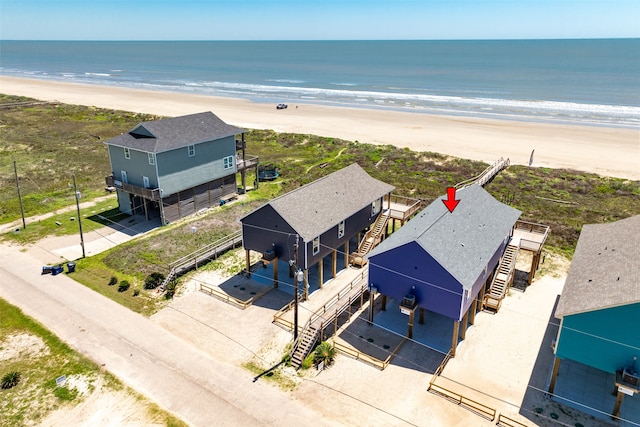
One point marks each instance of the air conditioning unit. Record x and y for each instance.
(409, 300)
(630, 376)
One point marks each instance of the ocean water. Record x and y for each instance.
(576, 81)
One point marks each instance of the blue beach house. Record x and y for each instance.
(442, 261)
(174, 167)
(318, 219)
(599, 308)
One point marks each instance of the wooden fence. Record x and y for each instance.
(217, 293)
(470, 404)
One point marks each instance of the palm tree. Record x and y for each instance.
(325, 353)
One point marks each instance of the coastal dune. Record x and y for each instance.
(607, 151)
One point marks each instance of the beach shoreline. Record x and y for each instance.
(607, 151)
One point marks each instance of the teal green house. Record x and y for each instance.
(599, 308)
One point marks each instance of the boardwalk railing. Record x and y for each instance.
(278, 317)
(211, 251)
(486, 174)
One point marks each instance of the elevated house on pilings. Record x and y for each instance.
(443, 261)
(174, 167)
(599, 309)
(320, 219)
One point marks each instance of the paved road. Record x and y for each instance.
(170, 371)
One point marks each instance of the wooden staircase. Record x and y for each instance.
(303, 346)
(325, 316)
(370, 240)
(503, 277)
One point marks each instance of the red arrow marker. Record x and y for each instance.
(451, 201)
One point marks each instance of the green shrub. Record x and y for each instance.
(124, 285)
(10, 380)
(308, 361)
(63, 393)
(324, 352)
(170, 290)
(153, 280)
(113, 280)
(136, 292)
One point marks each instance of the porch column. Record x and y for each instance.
(257, 183)
(465, 323)
(334, 264)
(275, 272)
(454, 338)
(421, 321)
(346, 254)
(410, 329)
(384, 303)
(615, 414)
(481, 297)
(305, 283)
(554, 374)
(372, 299)
(248, 262)
(320, 270)
(474, 309)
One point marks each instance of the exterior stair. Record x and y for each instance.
(304, 345)
(370, 240)
(503, 277)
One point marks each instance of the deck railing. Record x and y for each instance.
(413, 206)
(533, 228)
(147, 193)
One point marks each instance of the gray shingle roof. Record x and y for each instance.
(462, 241)
(316, 207)
(169, 134)
(605, 270)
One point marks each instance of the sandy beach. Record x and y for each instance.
(607, 151)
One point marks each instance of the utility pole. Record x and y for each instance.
(15, 170)
(295, 291)
(75, 188)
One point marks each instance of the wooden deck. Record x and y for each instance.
(532, 236)
(401, 208)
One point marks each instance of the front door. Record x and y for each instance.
(124, 177)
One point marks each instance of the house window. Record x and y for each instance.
(341, 230)
(127, 153)
(228, 162)
(192, 150)
(375, 207)
(316, 245)
(152, 158)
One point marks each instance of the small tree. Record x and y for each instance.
(113, 280)
(325, 352)
(10, 380)
(153, 280)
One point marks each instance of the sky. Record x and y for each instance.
(317, 19)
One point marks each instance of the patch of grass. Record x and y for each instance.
(49, 143)
(275, 376)
(36, 394)
(66, 223)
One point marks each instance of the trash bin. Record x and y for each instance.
(57, 269)
(71, 266)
